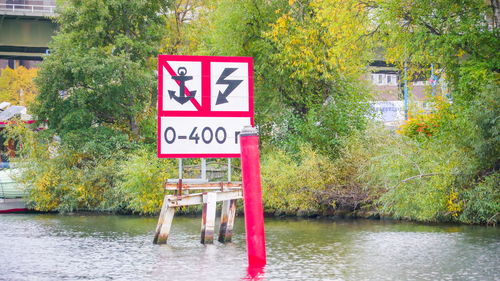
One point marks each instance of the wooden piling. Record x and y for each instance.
(166, 225)
(227, 192)
(208, 217)
(163, 211)
(227, 220)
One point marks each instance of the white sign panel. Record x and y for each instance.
(194, 135)
(229, 86)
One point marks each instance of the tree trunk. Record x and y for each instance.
(134, 128)
(495, 6)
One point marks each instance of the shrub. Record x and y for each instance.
(310, 183)
(142, 180)
(289, 185)
(423, 125)
(482, 201)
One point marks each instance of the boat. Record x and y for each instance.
(11, 193)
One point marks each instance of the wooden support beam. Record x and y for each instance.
(163, 211)
(202, 186)
(208, 217)
(209, 201)
(166, 225)
(197, 198)
(227, 220)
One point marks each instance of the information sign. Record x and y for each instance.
(203, 103)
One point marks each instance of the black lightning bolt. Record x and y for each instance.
(231, 85)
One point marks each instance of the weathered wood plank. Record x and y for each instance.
(197, 198)
(208, 217)
(166, 225)
(227, 220)
(164, 207)
(202, 186)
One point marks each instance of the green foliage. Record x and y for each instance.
(483, 201)
(68, 182)
(309, 183)
(462, 37)
(98, 142)
(325, 127)
(289, 185)
(418, 177)
(436, 178)
(97, 72)
(320, 49)
(142, 179)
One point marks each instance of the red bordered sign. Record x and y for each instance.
(203, 103)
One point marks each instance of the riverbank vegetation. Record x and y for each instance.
(321, 152)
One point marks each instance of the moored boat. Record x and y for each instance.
(11, 194)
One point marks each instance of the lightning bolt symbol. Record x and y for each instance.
(231, 85)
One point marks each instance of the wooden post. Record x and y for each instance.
(208, 217)
(228, 169)
(227, 220)
(165, 226)
(163, 211)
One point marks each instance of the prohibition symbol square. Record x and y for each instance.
(203, 103)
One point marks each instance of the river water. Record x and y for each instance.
(89, 247)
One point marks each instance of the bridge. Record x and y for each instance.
(26, 27)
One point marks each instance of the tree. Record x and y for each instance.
(452, 175)
(322, 45)
(17, 85)
(308, 60)
(97, 73)
(183, 16)
(460, 38)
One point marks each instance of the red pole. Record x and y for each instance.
(252, 197)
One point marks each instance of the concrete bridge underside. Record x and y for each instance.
(25, 30)
(24, 38)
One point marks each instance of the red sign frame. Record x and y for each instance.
(204, 110)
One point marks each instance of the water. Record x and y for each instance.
(78, 247)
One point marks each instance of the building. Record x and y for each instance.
(387, 84)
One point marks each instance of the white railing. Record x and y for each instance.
(27, 8)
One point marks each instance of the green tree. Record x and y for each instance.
(97, 73)
(460, 38)
(449, 175)
(308, 60)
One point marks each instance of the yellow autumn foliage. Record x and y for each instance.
(17, 85)
(333, 36)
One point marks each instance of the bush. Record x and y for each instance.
(441, 177)
(142, 179)
(421, 178)
(289, 185)
(423, 125)
(68, 182)
(325, 127)
(483, 201)
(310, 183)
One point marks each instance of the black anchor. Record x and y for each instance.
(182, 78)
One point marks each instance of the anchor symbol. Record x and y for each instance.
(182, 78)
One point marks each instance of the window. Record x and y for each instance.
(380, 79)
(389, 77)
